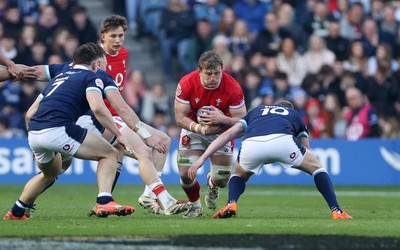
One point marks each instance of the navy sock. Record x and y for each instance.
(119, 169)
(237, 186)
(17, 210)
(104, 199)
(325, 187)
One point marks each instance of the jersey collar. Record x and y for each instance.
(80, 66)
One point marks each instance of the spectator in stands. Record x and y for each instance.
(8, 46)
(63, 10)
(38, 55)
(238, 68)
(312, 86)
(361, 117)
(271, 68)
(332, 107)
(289, 25)
(281, 86)
(317, 55)
(70, 45)
(357, 62)
(382, 91)
(336, 43)
(341, 11)
(12, 20)
(177, 25)
(240, 41)
(28, 94)
(26, 39)
(150, 15)
(377, 10)
(173, 131)
(317, 120)
(268, 40)
(155, 101)
(291, 62)
(5, 132)
(59, 40)
(351, 26)
(383, 57)
(252, 12)
(318, 23)
(299, 99)
(82, 26)
(211, 10)
(47, 24)
(135, 89)
(251, 86)
(227, 21)
(220, 44)
(265, 97)
(201, 41)
(370, 37)
(389, 27)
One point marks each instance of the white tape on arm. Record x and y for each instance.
(142, 131)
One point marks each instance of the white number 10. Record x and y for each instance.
(275, 110)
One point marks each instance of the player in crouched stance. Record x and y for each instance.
(274, 133)
(53, 134)
(220, 100)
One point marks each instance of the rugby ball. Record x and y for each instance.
(200, 112)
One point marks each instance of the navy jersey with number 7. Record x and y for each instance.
(64, 98)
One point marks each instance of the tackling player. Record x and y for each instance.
(77, 91)
(207, 86)
(273, 133)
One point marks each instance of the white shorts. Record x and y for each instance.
(46, 142)
(280, 148)
(193, 141)
(86, 121)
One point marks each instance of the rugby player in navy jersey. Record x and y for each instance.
(53, 134)
(272, 133)
(134, 136)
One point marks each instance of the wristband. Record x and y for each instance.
(142, 131)
(190, 126)
(203, 130)
(196, 128)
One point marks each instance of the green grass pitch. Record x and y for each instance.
(62, 212)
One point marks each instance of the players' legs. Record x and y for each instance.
(312, 166)
(148, 171)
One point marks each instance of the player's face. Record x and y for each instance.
(210, 78)
(113, 40)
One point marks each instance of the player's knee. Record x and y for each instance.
(220, 174)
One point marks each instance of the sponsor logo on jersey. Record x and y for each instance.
(99, 83)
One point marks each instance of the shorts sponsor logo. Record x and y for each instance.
(66, 147)
(292, 155)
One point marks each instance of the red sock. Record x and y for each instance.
(157, 190)
(193, 192)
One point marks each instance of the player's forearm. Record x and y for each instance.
(105, 118)
(5, 75)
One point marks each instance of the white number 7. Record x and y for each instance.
(56, 85)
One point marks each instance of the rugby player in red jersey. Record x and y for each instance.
(220, 100)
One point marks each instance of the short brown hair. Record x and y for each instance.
(210, 60)
(87, 53)
(284, 103)
(113, 22)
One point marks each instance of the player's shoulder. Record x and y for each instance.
(190, 78)
(123, 51)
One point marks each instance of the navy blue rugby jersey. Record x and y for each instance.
(273, 119)
(53, 70)
(64, 98)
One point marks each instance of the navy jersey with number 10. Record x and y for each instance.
(273, 119)
(64, 98)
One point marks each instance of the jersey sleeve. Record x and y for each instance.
(182, 93)
(95, 83)
(237, 98)
(53, 70)
(109, 83)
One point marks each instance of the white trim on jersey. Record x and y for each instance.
(237, 106)
(92, 88)
(110, 88)
(47, 72)
(182, 101)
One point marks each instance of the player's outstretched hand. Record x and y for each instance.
(157, 144)
(192, 172)
(29, 72)
(15, 71)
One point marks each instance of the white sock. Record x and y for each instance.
(166, 199)
(104, 194)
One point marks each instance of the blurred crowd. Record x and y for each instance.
(336, 60)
